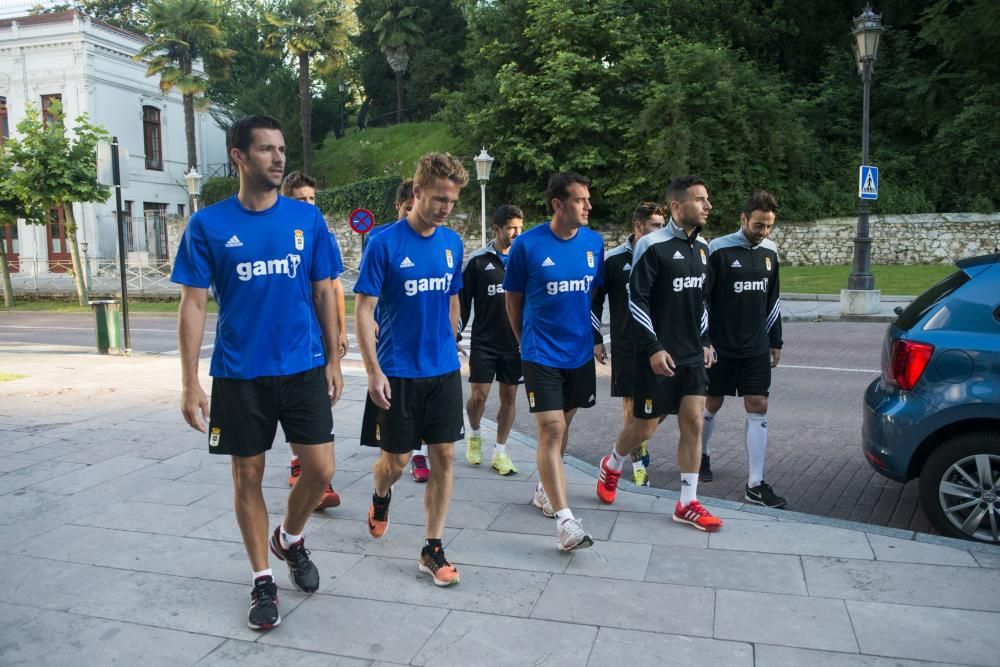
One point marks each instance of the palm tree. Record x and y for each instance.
(314, 32)
(397, 32)
(183, 31)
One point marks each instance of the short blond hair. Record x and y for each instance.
(440, 165)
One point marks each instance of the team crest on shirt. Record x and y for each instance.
(767, 263)
(648, 406)
(378, 433)
(214, 437)
(704, 257)
(531, 399)
(300, 239)
(448, 258)
(590, 258)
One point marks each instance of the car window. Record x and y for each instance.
(923, 303)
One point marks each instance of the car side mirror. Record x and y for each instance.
(898, 310)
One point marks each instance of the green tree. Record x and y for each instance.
(398, 33)
(182, 32)
(12, 208)
(314, 33)
(132, 15)
(52, 167)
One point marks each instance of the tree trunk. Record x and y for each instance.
(192, 148)
(399, 96)
(305, 108)
(8, 290)
(74, 254)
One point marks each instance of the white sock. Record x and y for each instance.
(706, 432)
(474, 432)
(287, 539)
(689, 487)
(756, 437)
(563, 515)
(499, 447)
(263, 573)
(539, 487)
(637, 465)
(423, 450)
(616, 461)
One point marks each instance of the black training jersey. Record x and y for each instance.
(666, 299)
(482, 289)
(744, 312)
(617, 267)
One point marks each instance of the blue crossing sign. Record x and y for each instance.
(868, 182)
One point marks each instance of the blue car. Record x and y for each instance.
(934, 413)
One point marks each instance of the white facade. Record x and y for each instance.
(89, 64)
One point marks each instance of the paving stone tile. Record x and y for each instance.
(926, 633)
(785, 656)
(150, 518)
(785, 537)
(28, 640)
(653, 650)
(200, 458)
(461, 513)
(627, 605)
(526, 518)
(25, 504)
(493, 490)
(161, 470)
(39, 473)
(236, 653)
(735, 570)
(226, 529)
(611, 560)
(92, 475)
(791, 620)
(987, 559)
(512, 551)
(903, 583)
(11, 462)
(909, 551)
(221, 498)
(345, 626)
(584, 496)
(400, 541)
(525, 466)
(482, 589)
(466, 639)
(79, 544)
(656, 529)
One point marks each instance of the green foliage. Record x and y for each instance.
(378, 195)
(216, 189)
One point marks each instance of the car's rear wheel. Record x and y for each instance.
(960, 487)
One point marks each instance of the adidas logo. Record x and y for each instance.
(736, 264)
(628, 267)
(548, 262)
(678, 255)
(234, 242)
(406, 263)
(489, 267)
(592, 398)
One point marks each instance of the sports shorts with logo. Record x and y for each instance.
(559, 388)
(245, 413)
(421, 409)
(735, 376)
(658, 395)
(622, 372)
(484, 365)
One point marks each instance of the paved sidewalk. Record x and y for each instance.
(120, 546)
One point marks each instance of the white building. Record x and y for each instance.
(87, 65)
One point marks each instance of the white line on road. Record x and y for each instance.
(830, 368)
(28, 326)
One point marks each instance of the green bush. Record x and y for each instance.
(216, 189)
(378, 195)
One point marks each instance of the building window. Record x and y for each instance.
(11, 246)
(47, 101)
(4, 123)
(59, 259)
(152, 138)
(180, 210)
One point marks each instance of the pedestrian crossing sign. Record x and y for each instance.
(868, 182)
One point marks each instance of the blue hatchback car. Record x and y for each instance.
(934, 413)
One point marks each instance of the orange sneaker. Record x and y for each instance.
(330, 499)
(433, 562)
(378, 515)
(607, 483)
(696, 515)
(294, 470)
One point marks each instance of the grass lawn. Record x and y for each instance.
(8, 377)
(908, 280)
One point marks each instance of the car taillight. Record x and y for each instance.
(907, 362)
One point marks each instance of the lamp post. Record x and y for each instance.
(341, 87)
(484, 162)
(193, 179)
(861, 297)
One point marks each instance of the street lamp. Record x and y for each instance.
(484, 162)
(341, 87)
(193, 179)
(861, 297)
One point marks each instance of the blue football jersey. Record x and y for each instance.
(556, 277)
(336, 259)
(414, 278)
(260, 265)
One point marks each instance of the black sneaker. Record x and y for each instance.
(263, 613)
(303, 572)
(705, 471)
(763, 494)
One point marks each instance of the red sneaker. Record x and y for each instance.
(294, 471)
(607, 483)
(419, 469)
(330, 499)
(696, 515)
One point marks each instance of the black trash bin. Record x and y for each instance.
(107, 326)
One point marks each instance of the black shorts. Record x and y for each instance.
(734, 376)
(485, 365)
(622, 373)
(658, 395)
(245, 413)
(421, 409)
(559, 388)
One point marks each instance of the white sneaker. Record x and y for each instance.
(541, 501)
(572, 536)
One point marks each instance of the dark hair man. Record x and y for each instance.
(552, 270)
(494, 352)
(744, 317)
(667, 303)
(647, 218)
(268, 260)
(413, 271)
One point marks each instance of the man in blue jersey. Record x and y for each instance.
(413, 271)
(494, 350)
(267, 259)
(550, 275)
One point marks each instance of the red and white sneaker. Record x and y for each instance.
(607, 482)
(696, 515)
(419, 468)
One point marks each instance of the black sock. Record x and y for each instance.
(433, 542)
(378, 500)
